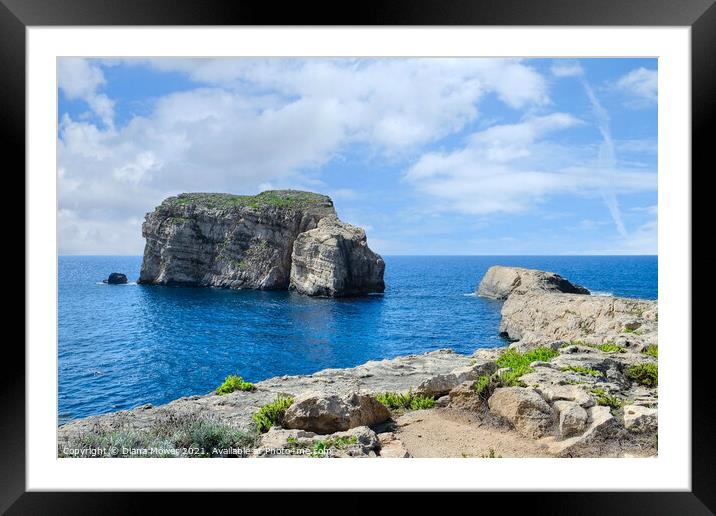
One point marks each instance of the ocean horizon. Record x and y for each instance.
(120, 346)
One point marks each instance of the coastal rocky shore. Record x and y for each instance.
(578, 379)
(276, 240)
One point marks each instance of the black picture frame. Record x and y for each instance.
(700, 15)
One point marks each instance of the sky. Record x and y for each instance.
(464, 156)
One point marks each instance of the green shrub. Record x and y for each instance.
(610, 347)
(234, 383)
(394, 400)
(422, 402)
(272, 413)
(583, 370)
(405, 401)
(519, 363)
(604, 398)
(652, 351)
(644, 374)
(482, 386)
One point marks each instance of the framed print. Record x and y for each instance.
(445, 240)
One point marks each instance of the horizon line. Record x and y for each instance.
(427, 255)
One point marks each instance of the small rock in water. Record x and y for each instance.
(116, 278)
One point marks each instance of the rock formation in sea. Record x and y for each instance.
(116, 278)
(499, 282)
(235, 241)
(334, 260)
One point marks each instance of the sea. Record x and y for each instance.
(121, 346)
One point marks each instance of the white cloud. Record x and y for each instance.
(79, 79)
(567, 69)
(641, 85)
(509, 168)
(257, 122)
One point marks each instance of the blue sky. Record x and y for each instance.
(430, 156)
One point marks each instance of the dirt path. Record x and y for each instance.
(451, 433)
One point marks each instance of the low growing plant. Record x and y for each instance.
(405, 401)
(610, 347)
(602, 397)
(520, 362)
(584, 370)
(652, 351)
(646, 374)
(234, 383)
(272, 413)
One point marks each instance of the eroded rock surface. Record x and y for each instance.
(325, 414)
(334, 260)
(241, 241)
(499, 282)
(548, 317)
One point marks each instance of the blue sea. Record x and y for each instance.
(121, 346)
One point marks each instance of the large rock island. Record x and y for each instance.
(277, 239)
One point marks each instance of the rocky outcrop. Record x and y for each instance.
(640, 419)
(524, 409)
(334, 260)
(499, 282)
(116, 278)
(325, 414)
(547, 317)
(442, 384)
(235, 241)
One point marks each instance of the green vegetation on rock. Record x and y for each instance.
(652, 351)
(610, 347)
(272, 413)
(602, 397)
(234, 383)
(583, 370)
(646, 374)
(405, 401)
(519, 364)
(290, 199)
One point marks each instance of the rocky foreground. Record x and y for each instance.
(579, 380)
(278, 239)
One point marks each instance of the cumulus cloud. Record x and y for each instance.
(509, 168)
(78, 78)
(253, 122)
(640, 86)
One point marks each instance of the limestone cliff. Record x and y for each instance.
(234, 241)
(334, 260)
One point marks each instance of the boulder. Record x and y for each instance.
(568, 393)
(638, 418)
(524, 409)
(571, 416)
(116, 278)
(464, 397)
(499, 282)
(391, 447)
(334, 260)
(596, 440)
(442, 384)
(326, 413)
